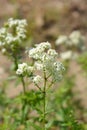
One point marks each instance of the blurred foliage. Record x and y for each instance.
(83, 61)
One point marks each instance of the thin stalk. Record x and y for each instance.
(44, 101)
(24, 101)
(50, 85)
(48, 76)
(24, 90)
(15, 62)
(22, 79)
(38, 87)
(23, 84)
(44, 111)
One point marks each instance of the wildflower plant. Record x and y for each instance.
(50, 70)
(43, 71)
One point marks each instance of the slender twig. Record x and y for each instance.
(48, 76)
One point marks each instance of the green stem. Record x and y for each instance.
(50, 85)
(44, 101)
(24, 91)
(23, 84)
(24, 101)
(44, 111)
(22, 79)
(48, 76)
(38, 87)
(15, 62)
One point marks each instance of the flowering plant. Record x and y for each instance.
(44, 71)
(51, 70)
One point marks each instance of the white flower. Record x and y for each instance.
(61, 40)
(7, 37)
(38, 66)
(30, 68)
(37, 53)
(56, 71)
(22, 68)
(52, 52)
(2, 31)
(16, 22)
(59, 66)
(66, 55)
(76, 38)
(53, 68)
(44, 45)
(11, 22)
(46, 60)
(19, 25)
(37, 79)
(19, 72)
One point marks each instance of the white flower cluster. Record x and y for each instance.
(24, 69)
(62, 39)
(12, 33)
(66, 55)
(37, 79)
(37, 53)
(45, 59)
(19, 26)
(55, 69)
(74, 39)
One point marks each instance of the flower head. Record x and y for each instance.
(45, 59)
(12, 34)
(24, 69)
(76, 38)
(37, 52)
(37, 79)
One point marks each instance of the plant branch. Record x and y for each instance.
(38, 87)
